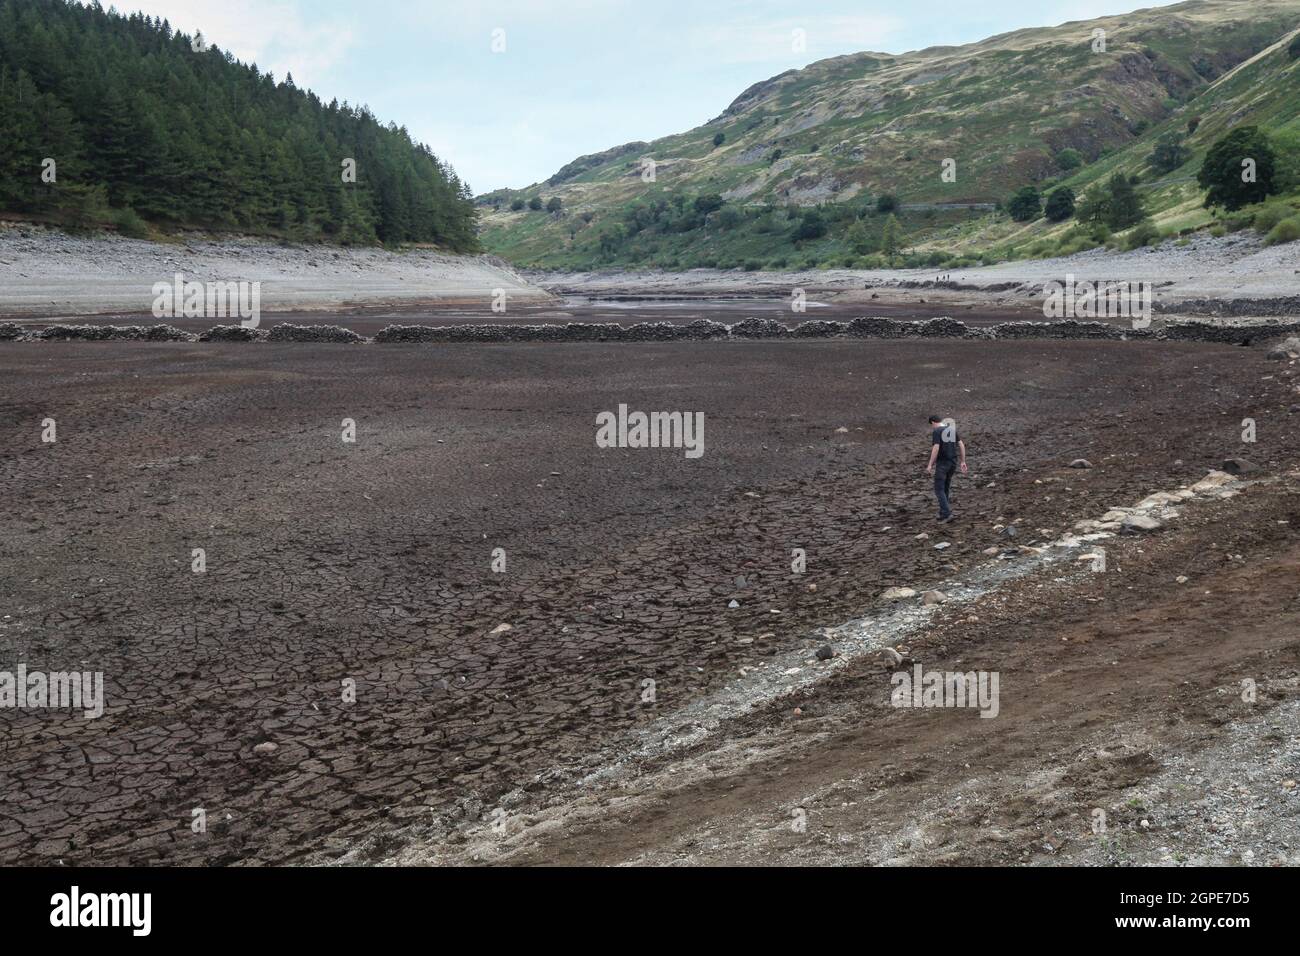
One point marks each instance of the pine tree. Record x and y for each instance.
(134, 117)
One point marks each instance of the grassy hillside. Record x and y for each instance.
(1010, 111)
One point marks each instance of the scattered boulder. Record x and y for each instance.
(266, 748)
(1238, 466)
(1140, 524)
(1081, 463)
(933, 597)
(825, 652)
(1215, 479)
(1158, 500)
(897, 594)
(1284, 351)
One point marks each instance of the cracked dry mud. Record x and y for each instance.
(370, 562)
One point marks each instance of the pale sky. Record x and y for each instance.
(576, 76)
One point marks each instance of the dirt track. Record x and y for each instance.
(369, 562)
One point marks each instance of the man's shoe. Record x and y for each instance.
(946, 520)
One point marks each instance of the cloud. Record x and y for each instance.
(793, 39)
(277, 35)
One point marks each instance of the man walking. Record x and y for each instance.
(947, 454)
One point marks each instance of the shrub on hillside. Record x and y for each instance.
(1270, 215)
(1288, 230)
(1286, 171)
(1169, 154)
(1026, 205)
(1116, 205)
(811, 226)
(1238, 169)
(1143, 234)
(1060, 204)
(709, 202)
(129, 223)
(1068, 159)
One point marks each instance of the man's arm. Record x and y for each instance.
(934, 454)
(961, 447)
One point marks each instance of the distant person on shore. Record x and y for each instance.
(947, 454)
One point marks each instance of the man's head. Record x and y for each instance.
(936, 420)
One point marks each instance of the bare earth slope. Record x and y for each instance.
(45, 272)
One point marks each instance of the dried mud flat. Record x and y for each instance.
(332, 565)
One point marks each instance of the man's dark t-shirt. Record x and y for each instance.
(947, 449)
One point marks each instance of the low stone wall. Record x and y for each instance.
(700, 330)
(96, 333)
(288, 332)
(1234, 308)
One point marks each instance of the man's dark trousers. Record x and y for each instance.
(943, 472)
